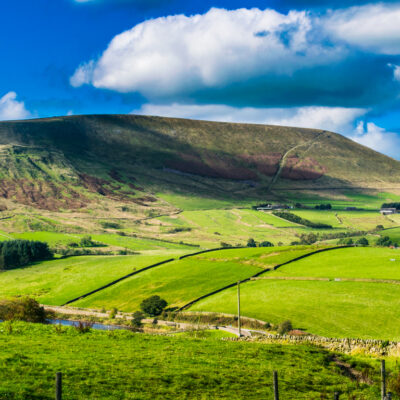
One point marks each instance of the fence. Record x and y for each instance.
(384, 395)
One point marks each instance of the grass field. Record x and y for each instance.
(335, 308)
(123, 365)
(332, 309)
(56, 282)
(183, 281)
(358, 262)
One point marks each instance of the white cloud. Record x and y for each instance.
(374, 27)
(180, 54)
(377, 138)
(11, 108)
(337, 119)
(396, 72)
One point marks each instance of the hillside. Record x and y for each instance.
(71, 162)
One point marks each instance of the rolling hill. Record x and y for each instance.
(78, 162)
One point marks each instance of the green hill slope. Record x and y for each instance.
(68, 162)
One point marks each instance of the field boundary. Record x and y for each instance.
(209, 251)
(117, 281)
(260, 273)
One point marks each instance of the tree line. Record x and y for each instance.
(18, 253)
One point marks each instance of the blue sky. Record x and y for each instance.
(333, 65)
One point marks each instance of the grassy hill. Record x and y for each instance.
(66, 162)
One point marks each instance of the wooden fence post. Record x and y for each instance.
(276, 388)
(58, 386)
(383, 380)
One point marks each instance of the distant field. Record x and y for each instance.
(124, 365)
(359, 262)
(342, 309)
(56, 282)
(183, 281)
(394, 234)
(333, 309)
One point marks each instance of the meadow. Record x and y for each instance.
(182, 281)
(124, 365)
(58, 281)
(334, 307)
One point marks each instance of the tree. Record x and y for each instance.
(251, 243)
(137, 317)
(153, 306)
(362, 242)
(86, 241)
(266, 244)
(384, 241)
(285, 327)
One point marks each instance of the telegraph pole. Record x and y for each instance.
(238, 294)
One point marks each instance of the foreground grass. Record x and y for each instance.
(124, 365)
(58, 281)
(332, 309)
(184, 280)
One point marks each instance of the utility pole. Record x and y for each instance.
(238, 294)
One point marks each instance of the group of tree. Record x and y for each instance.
(349, 242)
(18, 253)
(323, 206)
(385, 241)
(252, 243)
(391, 205)
(298, 220)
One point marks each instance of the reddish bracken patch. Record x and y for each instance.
(266, 164)
(41, 194)
(302, 169)
(212, 166)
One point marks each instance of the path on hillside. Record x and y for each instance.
(282, 162)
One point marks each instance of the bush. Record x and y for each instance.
(225, 245)
(285, 327)
(110, 225)
(18, 253)
(113, 313)
(137, 317)
(298, 220)
(362, 242)
(384, 241)
(87, 241)
(22, 309)
(251, 243)
(153, 306)
(266, 244)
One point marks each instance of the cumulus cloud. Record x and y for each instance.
(377, 138)
(373, 27)
(241, 57)
(11, 108)
(337, 119)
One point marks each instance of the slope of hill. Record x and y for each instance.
(70, 162)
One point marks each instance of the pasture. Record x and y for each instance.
(363, 307)
(184, 280)
(125, 365)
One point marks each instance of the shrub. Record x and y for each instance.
(83, 326)
(266, 244)
(251, 243)
(298, 220)
(136, 321)
(384, 241)
(18, 253)
(153, 306)
(362, 242)
(86, 241)
(113, 313)
(110, 225)
(285, 327)
(22, 309)
(225, 245)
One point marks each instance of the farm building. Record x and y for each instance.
(388, 211)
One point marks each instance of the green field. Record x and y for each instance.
(329, 308)
(123, 365)
(183, 281)
(359, 262)
(56, 282)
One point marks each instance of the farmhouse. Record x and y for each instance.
(388, 211)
